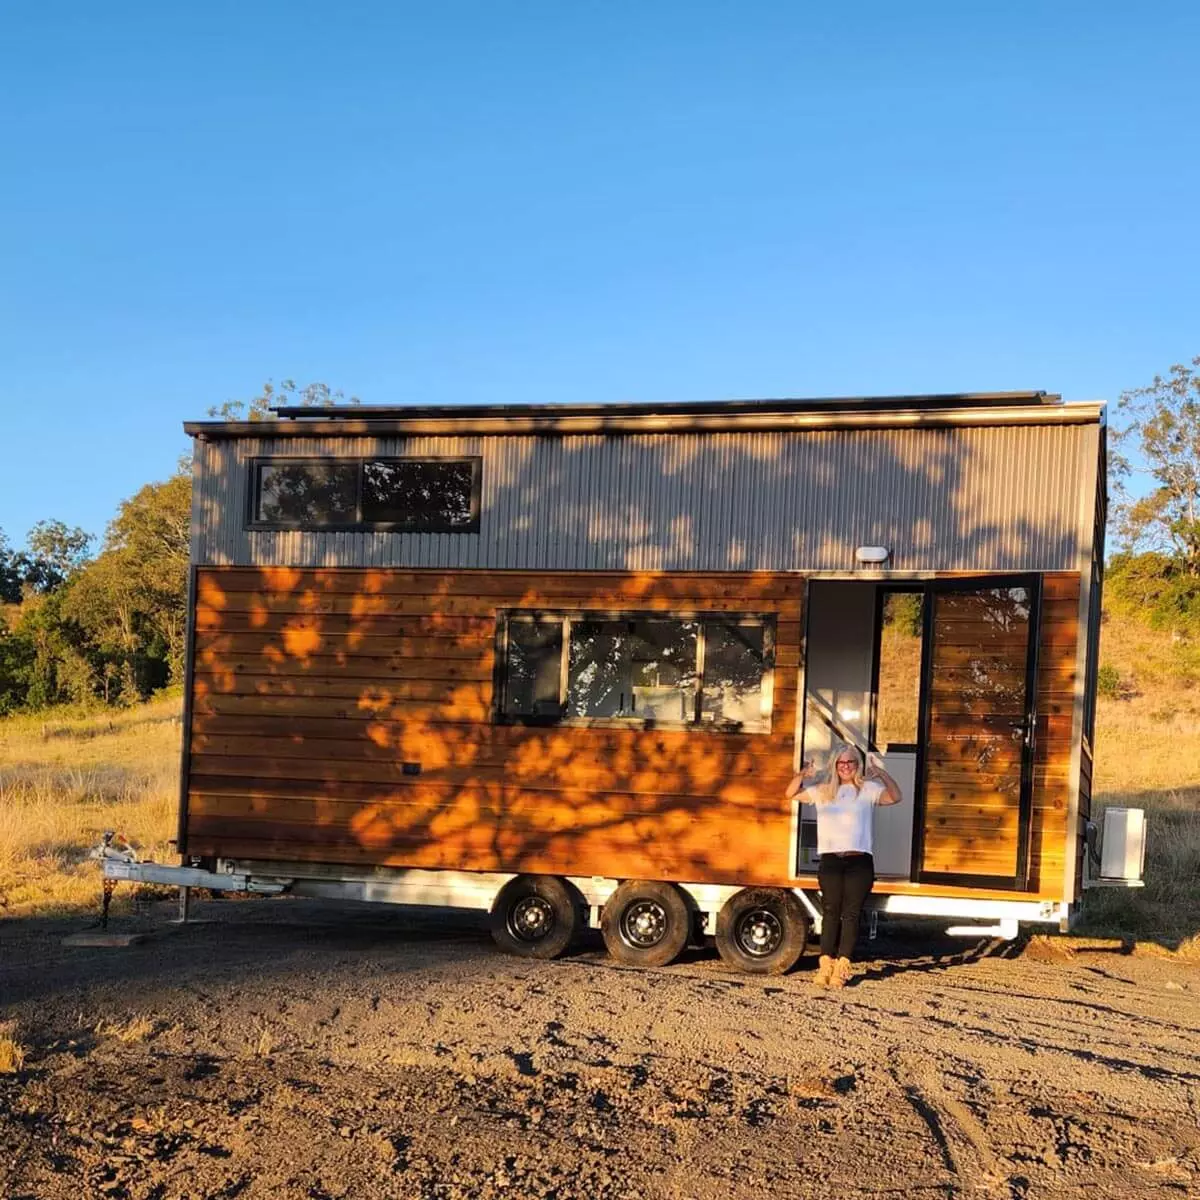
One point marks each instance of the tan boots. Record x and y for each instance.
(832, 972)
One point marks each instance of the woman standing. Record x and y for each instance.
(845, 809)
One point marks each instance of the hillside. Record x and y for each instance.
(1148, 736)
(1148, 756)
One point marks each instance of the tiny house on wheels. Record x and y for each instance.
(560, 663)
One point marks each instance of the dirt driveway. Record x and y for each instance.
(299, 1050)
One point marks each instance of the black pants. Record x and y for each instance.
(845, 883)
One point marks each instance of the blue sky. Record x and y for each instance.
(490, 202)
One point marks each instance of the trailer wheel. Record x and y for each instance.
(535, 916)
(762, 931)
(646, 923)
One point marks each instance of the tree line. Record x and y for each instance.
(110, 626)
(107, 627)
(1154, 573)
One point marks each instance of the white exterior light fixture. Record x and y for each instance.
(872, 556)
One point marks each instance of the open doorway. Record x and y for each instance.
(937, 678)
(863, 681)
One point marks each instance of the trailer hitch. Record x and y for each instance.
(112, 848)
(119, 860)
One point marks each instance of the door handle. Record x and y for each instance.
(1026, 730)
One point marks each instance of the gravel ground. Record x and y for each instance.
(291, 1049)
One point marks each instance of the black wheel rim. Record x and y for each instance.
(644, 924)
(531, 919)
(759, 933)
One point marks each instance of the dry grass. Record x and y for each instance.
(1168, 907)
(63, 782)
(899, 686)
(1148, 741)
(265, 1046)
(136, 1028)
(12, 1053)
(1148, 756)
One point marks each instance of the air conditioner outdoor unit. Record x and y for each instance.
(1123, 845)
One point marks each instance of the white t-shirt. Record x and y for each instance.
(845, 822)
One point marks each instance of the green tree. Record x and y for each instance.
(152, 532)
(1153, 588)
(16, 662)
(107, 602)
(41, 629)
(10, 573)
(1159, 436)
(53, 553)
(55, 657)
(286, 392)
(131, 601)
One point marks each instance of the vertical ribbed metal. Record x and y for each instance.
(960, 498)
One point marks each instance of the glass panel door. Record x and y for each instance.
(977, 751)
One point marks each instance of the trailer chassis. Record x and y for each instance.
(477, 890)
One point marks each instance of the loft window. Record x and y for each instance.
(421, 493)
(404, 495)
(705, 671)
(315, 493)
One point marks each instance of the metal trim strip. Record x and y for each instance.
(658, 421)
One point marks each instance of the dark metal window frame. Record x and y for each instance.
(359, 525)
(765, 621)
(912, 589)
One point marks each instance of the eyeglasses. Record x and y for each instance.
(846, 762)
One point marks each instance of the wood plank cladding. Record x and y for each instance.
(313, 688)
(977, 723)
(974, 763)
(318, 696)
(1054, 733)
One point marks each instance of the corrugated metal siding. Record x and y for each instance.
(980, 499)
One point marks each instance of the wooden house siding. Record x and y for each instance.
(313, 688)
(1055, 731)
(971, 819)
(973, 749)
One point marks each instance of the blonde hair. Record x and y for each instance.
(826, 789)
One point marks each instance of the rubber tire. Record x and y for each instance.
(568, 920)
(791, 916)
(679, 923)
